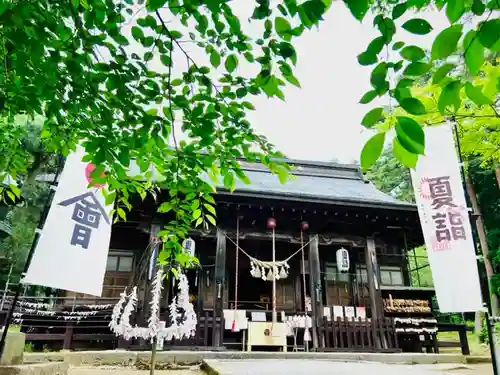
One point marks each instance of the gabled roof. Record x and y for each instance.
(318, 181)
(326, 182)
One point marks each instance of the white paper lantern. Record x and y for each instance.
(189, 245)
(343, 264)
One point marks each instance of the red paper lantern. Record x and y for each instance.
(304, 226)
(271, 223)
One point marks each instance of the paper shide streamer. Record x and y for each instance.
(182, 316)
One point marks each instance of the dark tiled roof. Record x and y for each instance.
(313, 181)
(329, 182)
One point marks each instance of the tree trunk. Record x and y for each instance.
(497, 174)
(483, 241)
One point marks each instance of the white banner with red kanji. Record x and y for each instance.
(445, 223)
(72, 250)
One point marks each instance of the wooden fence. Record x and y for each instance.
(358, 335)
(45, 332)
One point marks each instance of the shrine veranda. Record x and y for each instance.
(326, 207)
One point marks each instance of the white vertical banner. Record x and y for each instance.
(72, 250)
(445, 223)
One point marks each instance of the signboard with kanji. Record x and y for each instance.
(444, 217)
(72, 251)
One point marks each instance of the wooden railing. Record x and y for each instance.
(45, 332)
(357, 335)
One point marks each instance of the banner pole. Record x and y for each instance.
(486, 294)
(41, 222)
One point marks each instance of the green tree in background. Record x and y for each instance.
(23, 217)
(391, 177)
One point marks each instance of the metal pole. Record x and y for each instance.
(6, 286)
(41, 222)
(486, 294)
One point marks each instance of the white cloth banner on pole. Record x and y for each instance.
(72, 250)
(445, 223)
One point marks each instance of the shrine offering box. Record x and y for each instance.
(266, 334)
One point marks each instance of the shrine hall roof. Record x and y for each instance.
(318, 181)
(323, 182)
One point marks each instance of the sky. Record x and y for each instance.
(321, 120)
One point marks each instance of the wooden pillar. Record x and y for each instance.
(373, 285)
(68, 336)
(220, 275)
(315, 285)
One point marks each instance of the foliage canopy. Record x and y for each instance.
(121, 108)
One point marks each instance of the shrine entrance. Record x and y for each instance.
(255, 293)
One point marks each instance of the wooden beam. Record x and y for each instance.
(220, 275)
(374, 285)
(315, 288)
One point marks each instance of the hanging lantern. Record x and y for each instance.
(189, 245)
(343, 263)
(304, 226)
(271, 223)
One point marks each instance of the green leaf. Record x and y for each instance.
(455, 10)
(474, 52)
(153, 5)
(376, 45)
(229, 181)
(215, 59)
(489, 33)
(446, 42)
(282, 27)
(417, 26)
(165, 59)
(121, 212)
(358, 8)
(442, 72)
(450, 96)
(211, 219)
(372, 150)
(476, 95)
(231, 63)
(412, 106)
(397, 45)
(372, 117)
(137, 33)
(478, 7)
(210, 208)
(283, 174)
(399, 10)
(412, 53)
(411, 135)
(387, 28)
(405, 157)
(367, 58)
(417, 69)
(368, 97)
(196, 214)
(15, 190)
(198, 222)
(378, 78)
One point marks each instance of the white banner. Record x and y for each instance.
(445, 223)
(72, 251)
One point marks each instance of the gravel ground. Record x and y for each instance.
(128, 371)
(302, 367)
(318, 367)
